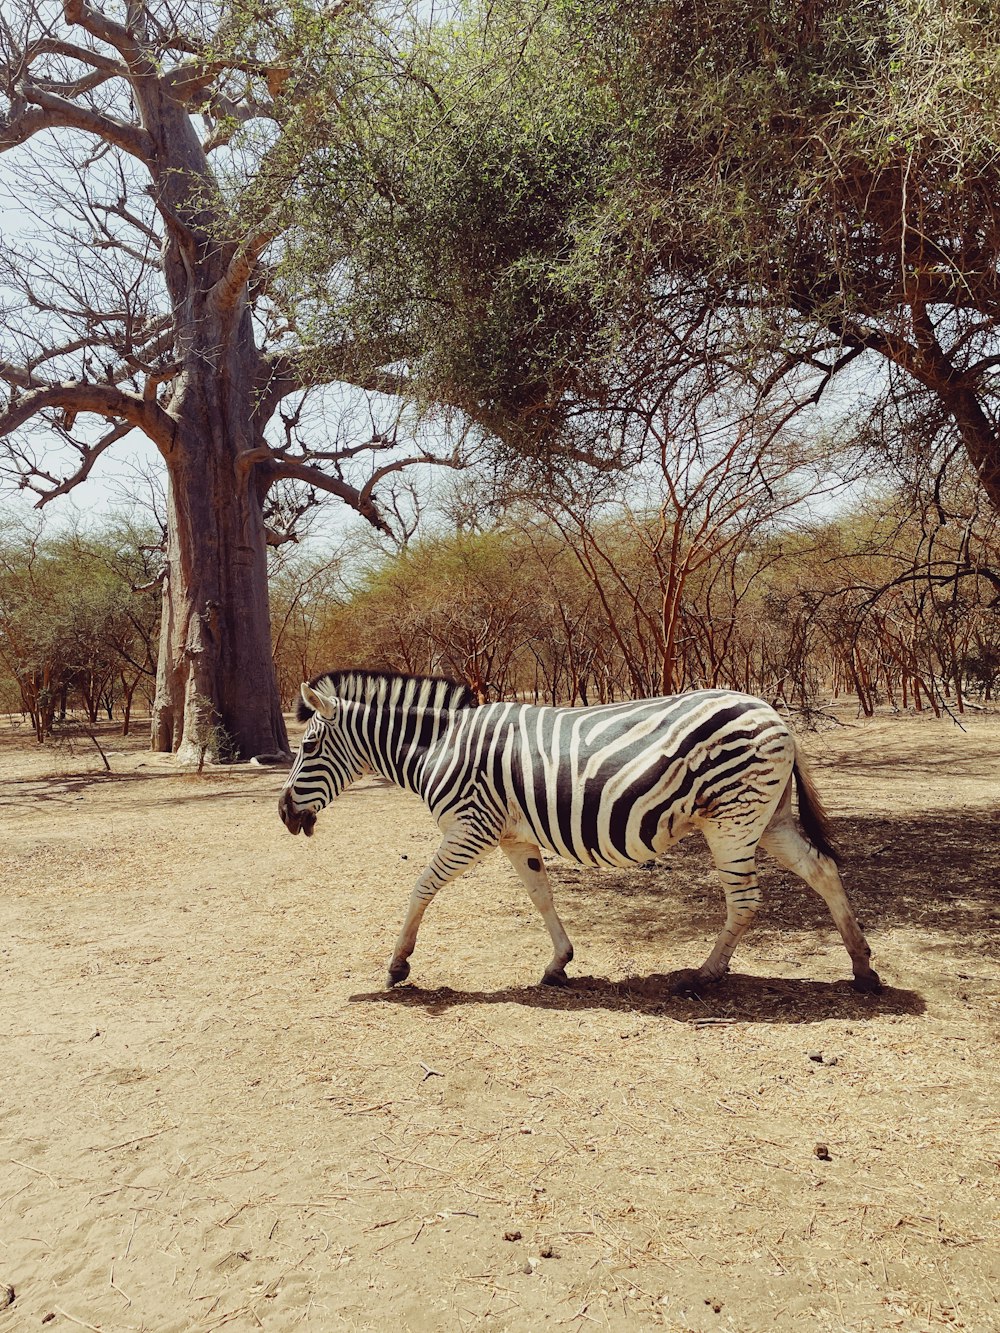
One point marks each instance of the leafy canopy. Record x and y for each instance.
(450, 208)
(553, 212)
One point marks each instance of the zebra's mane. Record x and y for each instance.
(404, 691)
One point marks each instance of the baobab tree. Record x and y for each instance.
(157, 143)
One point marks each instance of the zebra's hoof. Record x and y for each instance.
(558, 978)
(397, 972)
(869, 984)
(690, 985)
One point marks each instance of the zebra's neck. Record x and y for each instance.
(393, 720)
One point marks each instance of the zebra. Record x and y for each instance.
(608, 785)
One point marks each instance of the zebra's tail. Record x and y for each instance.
(812, 816)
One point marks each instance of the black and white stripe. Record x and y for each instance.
(604, 786)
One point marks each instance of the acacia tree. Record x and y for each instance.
(158, 141)
(468, 253)
(787, 195)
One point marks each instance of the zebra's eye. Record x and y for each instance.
(310, 745)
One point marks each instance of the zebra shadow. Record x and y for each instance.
(737, 999)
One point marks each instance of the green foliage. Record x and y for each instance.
(556, 214)
(448, 209)
(846, 142)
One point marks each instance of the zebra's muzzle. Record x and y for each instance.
(295, 820)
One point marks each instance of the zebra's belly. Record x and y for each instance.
(603, 851)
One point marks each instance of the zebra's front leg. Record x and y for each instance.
(459, 851)
(526, 859)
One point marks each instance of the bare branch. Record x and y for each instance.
(105, 400)
(89, 456)
(52, 113)
(55, 47)
(314, 476)
(388, 468)
(80, 14)
(119, 210)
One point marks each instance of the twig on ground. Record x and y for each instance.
(81, 1323)
(37, 1170)
(111, 1279)
(580, 1314)
(140, 1139)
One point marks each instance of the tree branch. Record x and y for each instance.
(193, 80)
(226, 292)
(388, 468)
(104, 400)
(285, 373)
(80, 14)
(89, 454)
(51, 46)
(55, 113)
(313, 476)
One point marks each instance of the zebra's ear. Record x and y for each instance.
(318, 703)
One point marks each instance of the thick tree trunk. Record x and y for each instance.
(215, 686)
(216, 690)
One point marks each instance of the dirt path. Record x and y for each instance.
(213, 1116)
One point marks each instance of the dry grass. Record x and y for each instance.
(215, 1117)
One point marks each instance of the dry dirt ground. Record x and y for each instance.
(213, 1116)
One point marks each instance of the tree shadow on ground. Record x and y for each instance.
(742, 999)
(936, 870)
(64, 787)
(875, 762)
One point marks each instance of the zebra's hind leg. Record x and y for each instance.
(737, 868)
(527, 861)
(460, 850)
(789, 848)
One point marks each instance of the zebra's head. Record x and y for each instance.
(325, 765)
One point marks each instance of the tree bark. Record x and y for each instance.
(216, 687)
(216, 690)
(215, 683)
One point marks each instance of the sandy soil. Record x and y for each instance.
(213, 1116)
